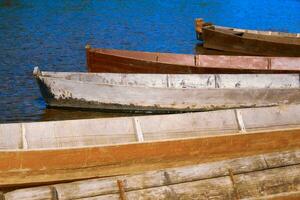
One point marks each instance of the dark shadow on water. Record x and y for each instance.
(199, 49)
(71, 113)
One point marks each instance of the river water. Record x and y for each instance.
(52, 35)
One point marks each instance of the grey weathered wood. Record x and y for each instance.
(171, 176)
(36, 193)
(255, 185)
(109, 131)
(269, 182)
(10, 136)
(164, 93)
(280, 196)
(252, 176)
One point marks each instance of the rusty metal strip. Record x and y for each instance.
(121, 189)
(240, 121)
(138, 130)
(235, 190)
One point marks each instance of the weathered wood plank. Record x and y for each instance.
(91, 132)
(281, 196)
(36, 193)
(250, 43)
(10, 136)
(154, 179)
(176, 175)
(260, 185)
(167, 93)
(269, 182)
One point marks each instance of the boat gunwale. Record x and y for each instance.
(50, 76)
(96, 50)
(262, 32)
(222, 31)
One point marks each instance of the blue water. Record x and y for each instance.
(52, 35)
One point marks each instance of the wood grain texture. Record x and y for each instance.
(124, 61)
(202, 180)
(269, 184)
(109, 131)
(167, 93)
(77, 149)
(250, 43)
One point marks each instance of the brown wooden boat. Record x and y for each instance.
(265, 176)
(264, 43)
(123, 61)
(58, 151)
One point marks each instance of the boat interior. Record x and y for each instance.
(123, 130)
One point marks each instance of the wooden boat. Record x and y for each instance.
(265, 43)
(44, 152)
(166, 93)
(123, 61)
(266, 176)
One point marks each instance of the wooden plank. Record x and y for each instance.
(124, 61)
(10, 136)
(67, 164)
(269, 182)
(250, 43)
(226, 91)
(36, 193)
(78, 133)
(285, 180)
(281, 196)
(175, 175)
(171, 176)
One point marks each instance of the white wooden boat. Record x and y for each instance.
(56, 151)
(166, 93)
(266, 176)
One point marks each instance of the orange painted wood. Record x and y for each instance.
(23, 167)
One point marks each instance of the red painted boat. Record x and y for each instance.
(124, 61)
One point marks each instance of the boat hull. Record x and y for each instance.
(123, 61)
(61, 92)
(56, 151)
(220, 40)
